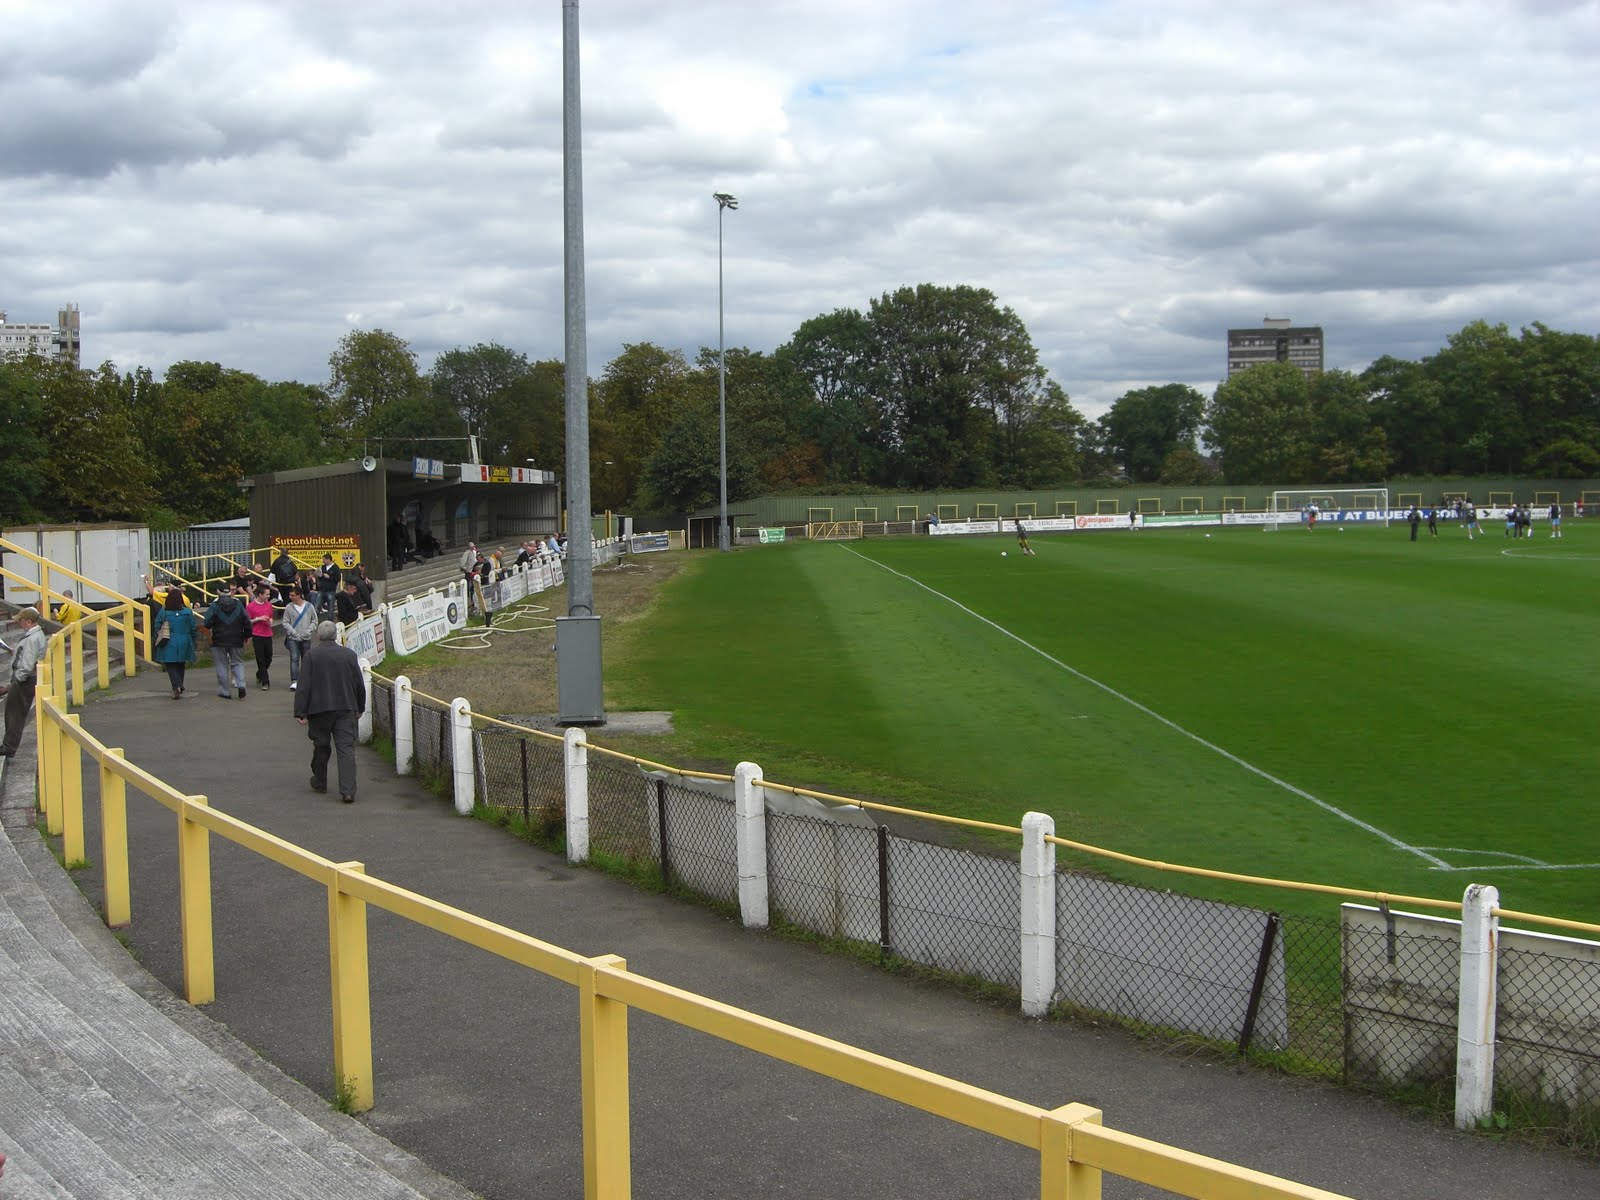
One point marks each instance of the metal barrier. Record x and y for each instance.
(1074, 1148)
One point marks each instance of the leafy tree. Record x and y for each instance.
(197, 424)
(1260, 422)
(683, 473)
(638, 397)
(289, 425)
(475, 383)
(1187, 467)
(833, 355)
(1146, 425)
(95, 467)
(945, 362)
(22, 445)
(528, 419)
(1349, 448)
(369, 369)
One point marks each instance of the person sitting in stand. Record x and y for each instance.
(363, 586)
(428, 544)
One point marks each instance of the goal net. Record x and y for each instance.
(834, 531)
(1295, 506)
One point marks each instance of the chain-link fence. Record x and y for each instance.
(1402, 978)
(1547, 1051)
(432, 745)
(382, 705)
(620, 798)
(522, 773)
(1169, 960)
(829, 877)
(956, 910)
(692, 827)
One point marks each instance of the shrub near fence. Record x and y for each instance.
(1329, 996)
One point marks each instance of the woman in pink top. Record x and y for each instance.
(259, 611)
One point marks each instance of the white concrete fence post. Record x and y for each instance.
(575, 751)
(404, 742)
(1475, 1016)
(364, 725)
(461, 752)
(750, 835)
(1038, 914)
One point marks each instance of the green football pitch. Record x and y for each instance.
(1346, 708)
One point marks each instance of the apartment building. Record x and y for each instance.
(61, 341)
(1276, 339)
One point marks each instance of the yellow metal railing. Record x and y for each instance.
(1073, 1146)
(127, 615)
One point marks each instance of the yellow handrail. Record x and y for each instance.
(1073, 1146)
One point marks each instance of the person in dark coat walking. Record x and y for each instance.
(329, 701)
(230, 630)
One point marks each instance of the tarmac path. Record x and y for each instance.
(476, 1061)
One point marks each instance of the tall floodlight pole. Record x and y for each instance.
(578, 681)
(724, 202)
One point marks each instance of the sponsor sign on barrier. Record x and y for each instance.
(647, 543)
(1177, 519)
(366, 638)
(951, 528)
(419, 620)
(1101, 521)
(773, 535)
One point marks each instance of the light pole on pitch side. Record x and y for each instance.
(724, 202)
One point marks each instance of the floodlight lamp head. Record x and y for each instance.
(724, 200)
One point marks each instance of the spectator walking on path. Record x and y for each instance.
(23, 678)
(229, 626)
(299, 627)
(330, 700)
(175, 630)
(261, 615)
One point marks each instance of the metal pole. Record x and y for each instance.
(578, 678)
(724, 202)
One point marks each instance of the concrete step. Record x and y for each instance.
(106, 1093)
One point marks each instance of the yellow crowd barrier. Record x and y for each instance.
(1073, 1145)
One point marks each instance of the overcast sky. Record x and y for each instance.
(246, 183)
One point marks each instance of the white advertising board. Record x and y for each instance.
(366, 638)
(418, 620)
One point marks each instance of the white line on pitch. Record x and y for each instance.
(1167, 721)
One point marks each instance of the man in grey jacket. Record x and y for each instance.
(329, 701)
(22, 677)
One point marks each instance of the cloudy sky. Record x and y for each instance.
(247, 182)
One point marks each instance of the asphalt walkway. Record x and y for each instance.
(476, 1061)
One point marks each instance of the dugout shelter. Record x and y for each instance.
(454, 502)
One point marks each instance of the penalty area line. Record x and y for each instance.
(1334, 809)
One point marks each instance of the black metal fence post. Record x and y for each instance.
(883, 890)
(1268, 936)
(661, 825)
(522, 744)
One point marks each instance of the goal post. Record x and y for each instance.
(1371, 502)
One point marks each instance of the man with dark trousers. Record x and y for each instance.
(22, 678)
(329, 701)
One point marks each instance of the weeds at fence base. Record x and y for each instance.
(344, 1096)
(543, 827)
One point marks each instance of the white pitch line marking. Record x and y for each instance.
(1167, 721)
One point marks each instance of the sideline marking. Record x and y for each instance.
(1551, 556)
(1167, 721)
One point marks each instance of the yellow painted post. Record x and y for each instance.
(603, 1041)
(114, 843)
(49, 747)
(352, 995)
(56, 752)
(194, 903)
(102, 657)
(1059, 1177)
(71, 797)
(75, 633)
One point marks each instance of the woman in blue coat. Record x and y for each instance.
(178, 650)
